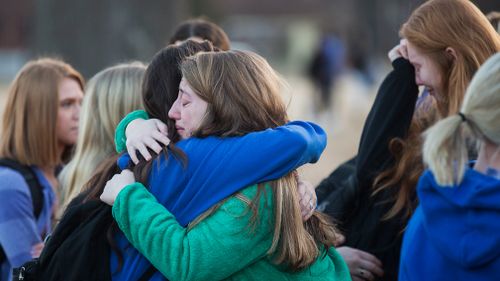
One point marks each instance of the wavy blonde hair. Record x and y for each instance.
(109, 96)
(432, 28)
(445, 149)
(28, 131)
(242, 92)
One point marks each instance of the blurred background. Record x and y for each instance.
(94, 34)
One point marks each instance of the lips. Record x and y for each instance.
(179, 129)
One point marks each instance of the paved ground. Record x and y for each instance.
(343, 121)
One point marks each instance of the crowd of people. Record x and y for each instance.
(186, 168)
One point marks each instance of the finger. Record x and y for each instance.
(365, 274)
(161, 137)
(153, 145)
(132, 152)
(161, 127)
(308, 215)
(371, 267)
(403, 48)
(144, 151)
(356, 278)
(314, 199)
(404, 52)
(339, 239)
(369, 257)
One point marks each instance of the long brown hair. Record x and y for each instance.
(30, 115)
(242, 92)
(432, 28)
(160, 88)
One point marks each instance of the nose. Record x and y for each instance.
(174, 112)
(76, 111)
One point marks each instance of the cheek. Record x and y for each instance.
(64, 118)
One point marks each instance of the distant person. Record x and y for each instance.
(327, 62)
(39, 129)
(201, 29)
(359, 63)
(454, 233)
(109, 96)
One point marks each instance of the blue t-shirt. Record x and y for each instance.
(217, 168)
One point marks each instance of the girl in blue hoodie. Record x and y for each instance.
(454, 234)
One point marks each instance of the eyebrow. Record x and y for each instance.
(184, 93)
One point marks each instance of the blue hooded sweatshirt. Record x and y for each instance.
(217, 168)
(455, 232)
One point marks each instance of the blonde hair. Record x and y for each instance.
(242, 92)
(28, 131)
(432, 29)
(110, 95)
(445, 148)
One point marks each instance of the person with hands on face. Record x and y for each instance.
(454, 232)
(439, 53)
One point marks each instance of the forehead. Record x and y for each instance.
(185, 88)
(414, 54)
(69, 88)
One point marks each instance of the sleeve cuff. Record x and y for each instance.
(120, 138)
(401, 62)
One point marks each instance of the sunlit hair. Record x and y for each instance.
(109, 96)
(459, 24)
(28, 131)
(445, 147)
(243, 95)
(432, 28)
(203, 29)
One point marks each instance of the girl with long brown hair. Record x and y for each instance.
(445, 43)
(254, 234)
(39, 129)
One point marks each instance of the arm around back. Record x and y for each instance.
(216, 248)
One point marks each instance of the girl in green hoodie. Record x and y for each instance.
(257, 234)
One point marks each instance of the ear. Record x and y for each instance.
(451, 52)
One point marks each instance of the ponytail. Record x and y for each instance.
(445, 150)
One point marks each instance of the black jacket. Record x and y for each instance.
(346, 193)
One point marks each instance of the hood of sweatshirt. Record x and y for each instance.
(463, 221)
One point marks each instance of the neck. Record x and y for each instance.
(489, 156)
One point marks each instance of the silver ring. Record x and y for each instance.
(361, 272)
